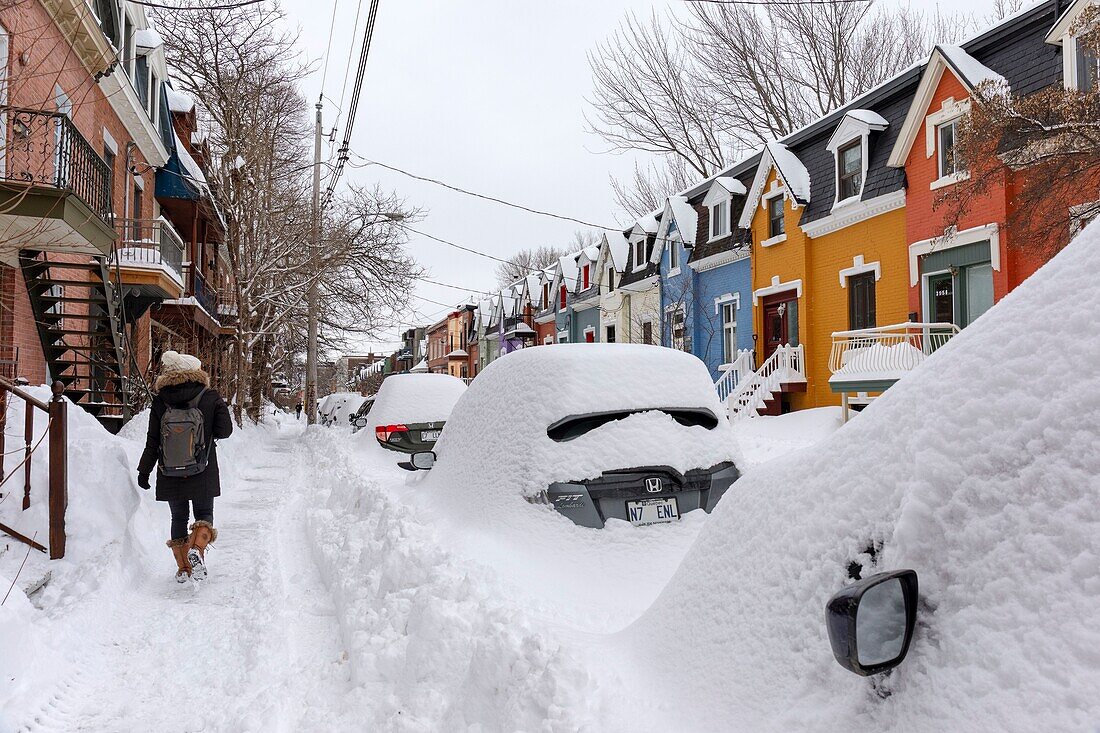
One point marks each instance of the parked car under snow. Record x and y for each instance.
(597, 431)
(409, 411)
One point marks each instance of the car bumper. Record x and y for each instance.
(591, 503)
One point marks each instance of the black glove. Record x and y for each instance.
(143, 481)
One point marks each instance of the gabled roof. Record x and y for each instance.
(970, 73)
(678, 210)
(616, 246)
(1066, 20)
(796, 179)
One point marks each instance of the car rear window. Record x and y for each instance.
(577, 425)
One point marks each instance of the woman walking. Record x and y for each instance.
(185, 420)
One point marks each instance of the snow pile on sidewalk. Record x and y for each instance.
(764, 438)
(981, 472)
(430, 647)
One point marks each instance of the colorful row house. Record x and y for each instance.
(824, 267)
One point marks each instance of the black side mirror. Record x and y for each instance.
(871, 622)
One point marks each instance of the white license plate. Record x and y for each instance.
(426, 435)
(652, 511)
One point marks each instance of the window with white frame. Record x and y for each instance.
(950, 163)
(639, 254)
(677, 332)
(775, 216)
(610, 279)
(729, 330)
(1088, 66)
(674, 255)
(849, 174)
(720, 219)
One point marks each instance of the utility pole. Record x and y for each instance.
(315, 266)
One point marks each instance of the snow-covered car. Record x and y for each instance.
(335, 408)
(358, 418)
(597, 431)
(409, 410)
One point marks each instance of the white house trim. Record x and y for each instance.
(848, 214)
(721, 300)
(777, 287)
(858, 268)
(756, 192)
(990, 232)
(1060, 35)
(109, 141)
(722, 258)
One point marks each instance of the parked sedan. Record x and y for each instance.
(596, 431)
(409, 411)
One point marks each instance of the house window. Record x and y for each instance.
(673, 256)
(584, 277)
(861, 301)
(775, 216)
(639, 254)
(676, 328)
(719, 219)
(137, 213)
(609, 334)
(561, 297)
(647, 332)
(128, 40)
(1088, 67)
(590, 335)
(610, 279)
(109, 159)
(729, 331)
(546, 295)
(949, 161)
(849, 160)
(141, 79)
(107, 14)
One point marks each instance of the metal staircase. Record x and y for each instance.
(79, 312)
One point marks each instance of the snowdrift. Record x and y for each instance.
(981, 472)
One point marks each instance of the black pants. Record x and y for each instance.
(204, 509)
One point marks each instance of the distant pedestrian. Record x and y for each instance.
(185, 420)
(298, 411)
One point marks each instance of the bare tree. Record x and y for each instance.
(646, 191)
(526, 261)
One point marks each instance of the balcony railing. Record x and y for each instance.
(885, 353)
(203, 292)
(151, 243)
(45, 149)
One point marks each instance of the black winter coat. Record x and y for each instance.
(218, 424)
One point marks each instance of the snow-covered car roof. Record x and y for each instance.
(496, 442)
(980, 471)
(414, 398)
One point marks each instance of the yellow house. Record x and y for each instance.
(829, 249)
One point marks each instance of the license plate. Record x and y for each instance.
(427, 435)
(652, 511)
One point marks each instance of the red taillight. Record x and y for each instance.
(385, 432)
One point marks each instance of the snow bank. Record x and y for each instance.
(765, 438)
(430, 647)
(980, 471)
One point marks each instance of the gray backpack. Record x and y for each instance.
(183, 449)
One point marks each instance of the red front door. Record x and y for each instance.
(590, 336)
(776, 325)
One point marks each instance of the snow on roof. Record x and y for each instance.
(420, 368)
(568, 267)
(592, 253)
(649, 223)
(687, 220)
(983, 481)
(458, 354)
(973, 71)
(731, 184)
(190, 166)
(868, 116)
(618, 245)
(791, 169)
(533, 283)
(148, 38)
(178, 101)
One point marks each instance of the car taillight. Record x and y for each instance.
(385, 432)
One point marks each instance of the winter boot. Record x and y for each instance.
(202, 534)
(179, 551)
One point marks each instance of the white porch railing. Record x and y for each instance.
(787, 364)
(886, 352)
(741, 367)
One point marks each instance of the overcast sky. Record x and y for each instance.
(488, 95)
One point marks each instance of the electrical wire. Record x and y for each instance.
(228, 6)
(328, 45)
(450, 244)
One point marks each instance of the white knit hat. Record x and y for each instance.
(173, 361)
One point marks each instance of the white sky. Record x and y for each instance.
(488, 95)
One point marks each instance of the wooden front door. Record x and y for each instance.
(776, 326)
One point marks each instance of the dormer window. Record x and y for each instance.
(639, 254)
(561, 297)
(720, 219)
(673, 256)
(584, 277)
(849, 173)
(1088, 68)
(610, 279)
(546, 295)
(775, 216)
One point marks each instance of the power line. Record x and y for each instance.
(450, 244)
(328, 45)
(347, 69)
(342, 151)
(456, 287)
(479, 195)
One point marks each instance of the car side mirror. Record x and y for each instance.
(422, 460)
(871, 622)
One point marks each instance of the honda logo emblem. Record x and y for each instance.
(653, 485)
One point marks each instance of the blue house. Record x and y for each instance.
(720, 262)
(585, 298)
(675, 239)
